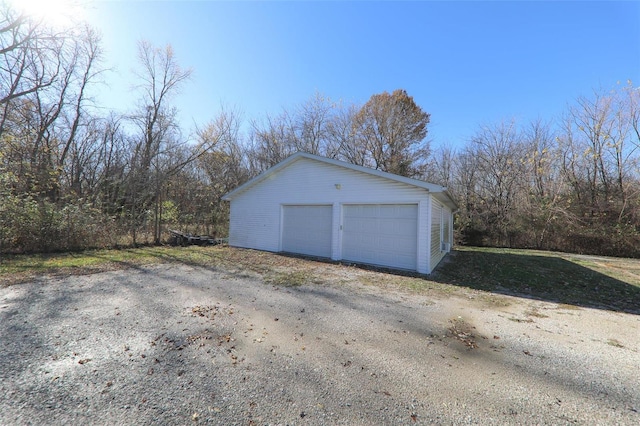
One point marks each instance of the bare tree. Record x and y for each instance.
(87, 53)
(220, 169)
(304, 128)
(44, 79)
(312, 120)
(598, 152)
(465, 189)
(158, 136)
(441, 166)
(499, 151)
(273, 139)
(341, 136)
(26, 63)
(542, 204)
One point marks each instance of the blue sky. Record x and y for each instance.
(466, 63)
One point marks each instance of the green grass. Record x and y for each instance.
(17, 268)
(288, 279)
(568, 279)
(408, 283)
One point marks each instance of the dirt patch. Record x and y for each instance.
(175, 344)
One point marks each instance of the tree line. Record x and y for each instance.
(75, 176)
(571, 184)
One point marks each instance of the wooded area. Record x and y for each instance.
(75, 176)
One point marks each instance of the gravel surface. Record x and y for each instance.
(183, 345)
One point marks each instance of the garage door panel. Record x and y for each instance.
(307, 230)
(401, 227)
(380, 234)
(397, 212)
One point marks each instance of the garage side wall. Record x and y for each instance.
(441, 224)
(436, 232)
(256, 214)
(424, 237)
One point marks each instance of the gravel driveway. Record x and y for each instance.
(174, 344)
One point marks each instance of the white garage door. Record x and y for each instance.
(381, 234)
(307, 230)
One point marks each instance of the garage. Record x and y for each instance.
(380, 234)
(318, 206)
(307, 230)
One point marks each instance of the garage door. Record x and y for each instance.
(307, 230)
(381, 234)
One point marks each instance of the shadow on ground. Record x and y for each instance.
(539, 277)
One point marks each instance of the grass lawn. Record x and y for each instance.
(588, 281)
(16, 268)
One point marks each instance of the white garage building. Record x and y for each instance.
(327, 208)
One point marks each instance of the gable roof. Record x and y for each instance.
(440, 192)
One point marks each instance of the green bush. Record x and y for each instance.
(30, 225)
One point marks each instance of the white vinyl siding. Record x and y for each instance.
(424, 236)
(441, 222)
(307, 230)
(436, 233)
(381, 235)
